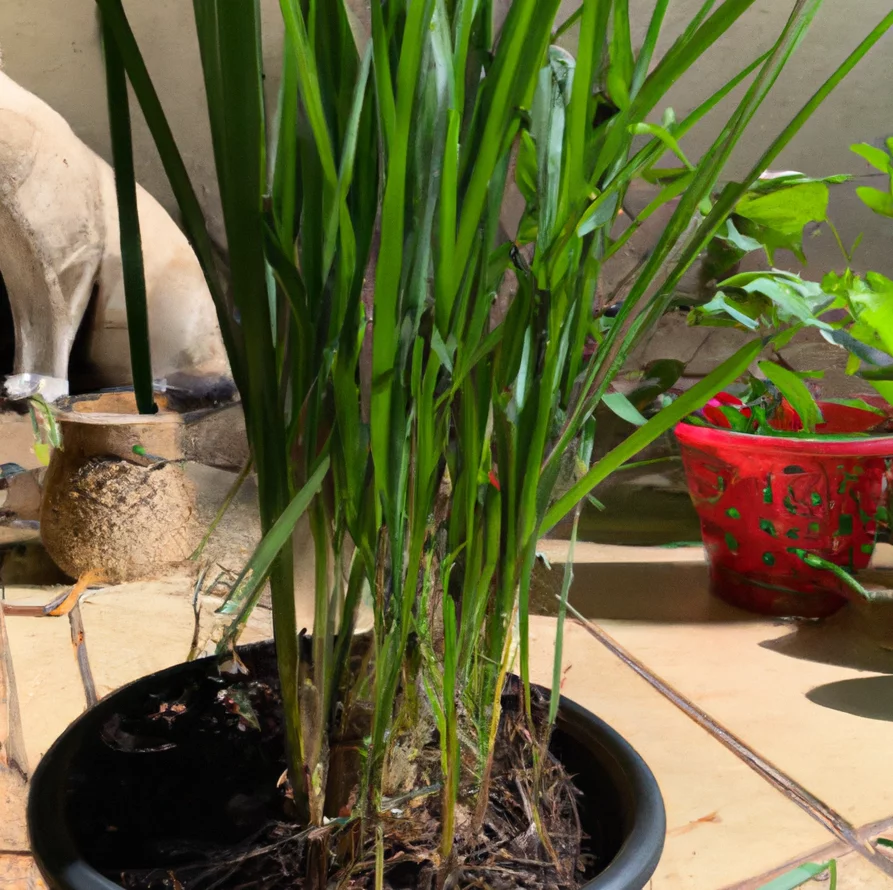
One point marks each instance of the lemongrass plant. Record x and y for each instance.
(427, 434)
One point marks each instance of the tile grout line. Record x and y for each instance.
(873, 829)
(835, 850)
(808, 802)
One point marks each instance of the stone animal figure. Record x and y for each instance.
(60, 259)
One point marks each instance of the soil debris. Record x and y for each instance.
(205, 760)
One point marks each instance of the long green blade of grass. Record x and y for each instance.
(115, 22)
(248, 586)
(233, 72)
(129, 226)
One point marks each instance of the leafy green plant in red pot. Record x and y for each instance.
(431, 439)
(791, 491)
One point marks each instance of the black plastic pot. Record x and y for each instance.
(83, 783)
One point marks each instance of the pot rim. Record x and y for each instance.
(65, 412)
(61, 865)
(842, 446)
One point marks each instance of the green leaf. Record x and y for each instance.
(132, 270)
(877, 374)
(115, 22)
(593, 30)
(620, 72)
(796, 393)
(788, 210)
(566, 582)
(878, 158)
(623, 408)
(765, 186)
(513, 73)
(876, 200)
(526, 167)
(309, 86)
(657, 377)
(665, 136)
(553, 93)
(734, 237)
(745, 313)
(387, 446)
(248, 585)
(446, 229)
(43, 452)
(599, 213)
(861, 404)
(648, 45)
(285, 155)
(793, 298)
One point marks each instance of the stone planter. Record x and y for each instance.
(109, 509)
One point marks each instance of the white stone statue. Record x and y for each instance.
(59, 241)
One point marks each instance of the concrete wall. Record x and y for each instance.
(860, 110)
(52, 48)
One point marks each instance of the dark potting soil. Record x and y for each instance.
(183, 789)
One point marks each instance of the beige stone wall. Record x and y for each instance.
(52, 48)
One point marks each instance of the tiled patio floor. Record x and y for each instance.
(771, 743)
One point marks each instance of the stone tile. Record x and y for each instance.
(18, 872)
(654, 584)
(815, 700)
(657, 584)
(49, 685)
(883, 556)
(587, 552)
(724, 822)
(135, 629)
(13, 797)
(854, 872)
(142, 627)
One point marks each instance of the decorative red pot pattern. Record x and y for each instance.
(763, 500)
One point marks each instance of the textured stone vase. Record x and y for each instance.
(116, 503)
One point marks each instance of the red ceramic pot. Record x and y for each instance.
(762, 498)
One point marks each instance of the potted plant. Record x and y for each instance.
(791, 490)
(431, 433)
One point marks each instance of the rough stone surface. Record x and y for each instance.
(120, 520)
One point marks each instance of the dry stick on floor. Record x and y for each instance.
(197, 613)
(793, 790)
(12, 738)
(79, 643)
(62, 604)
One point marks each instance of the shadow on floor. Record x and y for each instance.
(668, 517)
(661, 592)
(840, 640)
(869, 697)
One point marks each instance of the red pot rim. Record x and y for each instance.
(875, 446)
